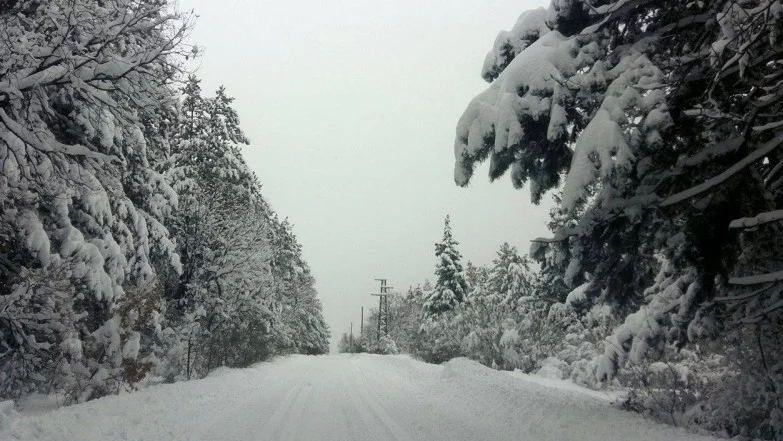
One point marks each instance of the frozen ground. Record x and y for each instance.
(344, 398)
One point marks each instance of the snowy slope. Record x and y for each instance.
(345, 397)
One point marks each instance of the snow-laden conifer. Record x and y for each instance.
(451, 288)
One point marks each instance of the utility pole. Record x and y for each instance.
(383, 309)
(350, 340)
(361, 330)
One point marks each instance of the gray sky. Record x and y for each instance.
(351, 108)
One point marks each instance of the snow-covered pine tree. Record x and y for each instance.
(510, 277)
(476, 275)
(528, 118)
(302, 316)
(221, 306)
(301, 327)
(598, 95)
(490, 318)
(451, 288)
(82, 208)
(406, 317)
(660, 116)
(245, 292)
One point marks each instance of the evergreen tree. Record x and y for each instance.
(83, 210)
(489, 319)
(510, 276)
(301, 327)
(475, 275)
(222, 230)
(133, 236)
(451, 288)
(245, 292)
(659, 115)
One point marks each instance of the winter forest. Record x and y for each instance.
(134, 240)
(137, 246)
(655, 124)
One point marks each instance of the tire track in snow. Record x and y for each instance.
(291, 426)
(252, 416)
(378, 412)
(357, 407)
(429, 409)
(285, 421)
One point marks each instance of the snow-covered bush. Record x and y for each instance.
(384, 346)
(670, 390)
(745, 393)
(488, 329)
(537, 336)
(346, 345)
(439, 338)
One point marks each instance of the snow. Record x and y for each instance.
(346, 397)
(6, 414)
(757, 279)
(644, 329)
(607, 143)
(578, 295)
(538, 71)
(36, 241)
(550, 368)
(597, 146)
(132, 346)
(759, 219)
(611, 396)
(530, 26)
(509, 338)
(531, 67)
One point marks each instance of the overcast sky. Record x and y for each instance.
(351, 108)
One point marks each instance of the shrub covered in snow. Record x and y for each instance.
(384, 346)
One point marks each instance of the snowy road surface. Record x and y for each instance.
(344, 398)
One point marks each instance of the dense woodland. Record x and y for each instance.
(136, 244)
(655, 126)
(134, 241)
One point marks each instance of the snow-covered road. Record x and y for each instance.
(343, 398)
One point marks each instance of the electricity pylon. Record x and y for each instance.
(383, 309)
